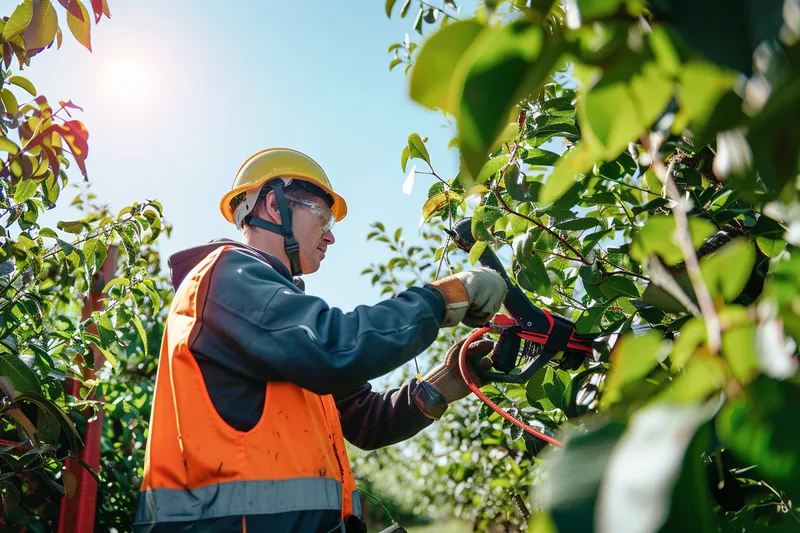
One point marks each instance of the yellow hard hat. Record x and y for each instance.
(270, 164)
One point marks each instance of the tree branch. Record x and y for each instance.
(680, 210)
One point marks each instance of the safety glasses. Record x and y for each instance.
(323, 213)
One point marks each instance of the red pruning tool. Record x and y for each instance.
(529, 338)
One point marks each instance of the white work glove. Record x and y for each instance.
(471, 297)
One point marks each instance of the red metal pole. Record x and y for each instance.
(78, 512)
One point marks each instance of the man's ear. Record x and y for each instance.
(270, 206)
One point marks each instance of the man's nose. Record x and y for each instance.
(328, 238)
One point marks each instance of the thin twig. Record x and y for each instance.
(623, 270)
(526, 514)
(630, 215)
(776, 493)
(555, 254)
(432, 173)
(625, 184)
(552, 233)
(572, 300)
(684, 238)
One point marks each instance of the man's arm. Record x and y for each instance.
(261, 326)
(371, 420)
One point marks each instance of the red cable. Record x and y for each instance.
(462, 363)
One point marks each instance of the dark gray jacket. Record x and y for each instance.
(259, 326)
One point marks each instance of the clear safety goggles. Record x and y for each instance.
(323, 213)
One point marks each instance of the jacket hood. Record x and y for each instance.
(181, 263)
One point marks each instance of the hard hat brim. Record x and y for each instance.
(339, 207)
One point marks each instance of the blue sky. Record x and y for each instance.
(177, 94)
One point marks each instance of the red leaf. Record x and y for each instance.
(97, 8)
(73, 8)
(75, 135)
(69, 105)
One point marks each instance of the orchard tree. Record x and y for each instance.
(79, 303)
(637, 165)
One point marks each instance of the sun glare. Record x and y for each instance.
(127, 81)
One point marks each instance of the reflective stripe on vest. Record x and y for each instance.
(238, 498)
(198, 467)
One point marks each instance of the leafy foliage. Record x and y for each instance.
(638, 170)
(80, 303)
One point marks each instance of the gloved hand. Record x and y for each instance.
(447, 376)
(471, 297)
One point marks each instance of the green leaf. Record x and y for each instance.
(417, 148)
(396, 61)
(9, 101)
(727, 270)
(479, 229)
(757, 426)
(74, 227)
(438, 201)
(533, 276)
(692, 334)
(477, 251)
(534, 389)
(632, 359)
(404, 157)
(700, 88)
(774, 140)
(389, 6)
(114, 282)
(504, 65)
(7, 145)
(24, 83)
(48, 232)
(142, 334)
(18, 20)
(619, 286)
(515, 184)
(578, 224)
(739, 350)
(574, 475)
(110, 357)
(539, 157)
(572, 164)
(23, 378)
(702, 377)
(95, 252)
(491, 167)
(658, 236)
(595, 9)
(638, 499)
(624, 103)
(770, 247)
(591, 320)
(436, 64)
(25, 190)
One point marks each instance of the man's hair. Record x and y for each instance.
(301, 190)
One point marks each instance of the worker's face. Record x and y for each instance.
(312, 221)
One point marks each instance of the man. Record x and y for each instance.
(259, 384)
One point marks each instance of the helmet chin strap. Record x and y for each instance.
(290, 244)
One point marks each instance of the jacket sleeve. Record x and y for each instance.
(372, 420)
(259, 324)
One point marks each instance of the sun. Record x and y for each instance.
(127, 81)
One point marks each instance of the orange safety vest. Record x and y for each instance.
(197, 467)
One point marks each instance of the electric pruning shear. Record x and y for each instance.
(528, 339)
